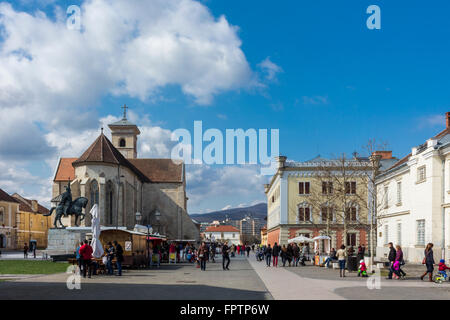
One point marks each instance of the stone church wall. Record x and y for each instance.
(174, 222)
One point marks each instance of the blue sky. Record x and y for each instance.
(338, 85)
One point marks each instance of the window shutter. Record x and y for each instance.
(300, 188)
(306, 187)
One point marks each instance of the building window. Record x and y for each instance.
(303, 188)
(386, 197)
(304, 214)
(327, 187)
(122, 142)
(399, 234)
(399, 192)
(233, 235)
(350, 187)
(351, 214)
(327, 214)
(94, 192)
(2, 215)
(421, 174)
(351, 239)
(421, 232)
(386, 234)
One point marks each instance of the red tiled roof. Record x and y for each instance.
(160, 170)
(222, 229)
(6, 197)
(65, 171)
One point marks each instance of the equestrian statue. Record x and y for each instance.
(67, 207)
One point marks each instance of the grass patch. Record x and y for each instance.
(31, 267)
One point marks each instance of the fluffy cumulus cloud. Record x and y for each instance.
(123, 47)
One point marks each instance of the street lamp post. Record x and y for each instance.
(158, 216)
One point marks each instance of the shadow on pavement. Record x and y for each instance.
(58, 291)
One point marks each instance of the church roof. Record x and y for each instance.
(122, 122)
(102, 150)
(160, 170)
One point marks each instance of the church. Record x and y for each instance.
(110, 174)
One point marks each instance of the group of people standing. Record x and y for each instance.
(89, 266)
(292, 254)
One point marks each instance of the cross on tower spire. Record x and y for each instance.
(124, 111)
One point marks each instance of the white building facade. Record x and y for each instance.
(413, 205)
(223, 234)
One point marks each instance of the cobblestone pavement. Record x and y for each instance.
(175, 281)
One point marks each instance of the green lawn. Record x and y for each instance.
(31, 267)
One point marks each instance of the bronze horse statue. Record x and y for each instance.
(75, 208)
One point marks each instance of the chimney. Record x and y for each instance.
(34, 205)
(383, 154)
(447, 120)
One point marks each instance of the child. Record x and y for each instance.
(362, 269)
(442, 268)
(396, 268)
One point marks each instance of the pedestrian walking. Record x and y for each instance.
(296, 252)
(202, 256)
(391, 257)
(25, 251)
(275, 254)
(341, 254)
(225, 256)
(428, 260)
(119, 257)
(283, 254)
(86, 255)
(268, 254)
(289, 254)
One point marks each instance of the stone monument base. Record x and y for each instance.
(65, 241)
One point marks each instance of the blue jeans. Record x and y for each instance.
(109, 266)
(119, 267)
(268, 259)
(342, 264)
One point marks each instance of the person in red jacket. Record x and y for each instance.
(86, 256)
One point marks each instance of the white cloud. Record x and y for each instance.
(208, 185)
(15, 179)
(269, 69)
(315, 100)
(226, 207)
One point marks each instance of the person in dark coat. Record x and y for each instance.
(289, 254)
(275, 254)
(268, 254)
(119, 257)
(429, 262)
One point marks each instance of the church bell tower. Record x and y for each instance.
(124, 136)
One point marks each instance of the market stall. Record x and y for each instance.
(321, 256)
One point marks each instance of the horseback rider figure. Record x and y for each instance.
(66, 200)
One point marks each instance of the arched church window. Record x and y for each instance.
(2, 214)
(94, 192)
(109, 202)
(122, 142)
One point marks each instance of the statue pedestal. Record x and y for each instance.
(65, 241)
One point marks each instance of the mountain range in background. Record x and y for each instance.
(257, 211)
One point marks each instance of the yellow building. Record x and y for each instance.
(9, 208)
(264, 236)
(32, 225)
